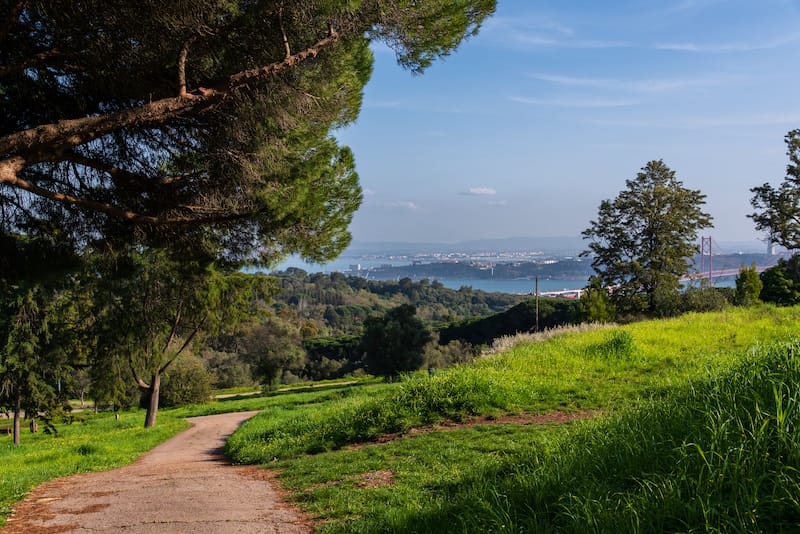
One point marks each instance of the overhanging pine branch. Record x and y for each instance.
(49, 140)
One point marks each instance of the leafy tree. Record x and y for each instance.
(778, 209)
(187, 382)
(642, 240)
(42, 314)
(395, 342)
(706, 299)
(39, 348)
(781, 283)
(149, 120)
(228, 369)
(155, 306)
(748, 286)
(455, 352)
(273, 346)
(595, 305)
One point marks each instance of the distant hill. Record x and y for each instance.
(563, 246)
(558, 246)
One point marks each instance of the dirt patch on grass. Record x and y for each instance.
(516, 419)
(376, 479)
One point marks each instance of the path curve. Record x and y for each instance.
(183, 485)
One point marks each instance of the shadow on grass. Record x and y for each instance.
(721, 456)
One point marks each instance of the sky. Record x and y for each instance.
(529, 125)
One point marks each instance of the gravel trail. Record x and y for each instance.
(183, 485)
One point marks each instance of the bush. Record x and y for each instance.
(186, 382)
(706, 299)
(454, 353)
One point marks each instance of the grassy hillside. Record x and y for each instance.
(693, 427)
(690, 409)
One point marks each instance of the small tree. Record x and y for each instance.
(395, 343)
(778, 209)
(595, 305)
(781, 282)
(642, 240)
(187, 382)
(157, 304)
(273, 346)
(748, 286)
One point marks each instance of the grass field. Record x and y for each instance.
(695, 429)
(665, 455)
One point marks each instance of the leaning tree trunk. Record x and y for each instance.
(17, 414)
(152, 405)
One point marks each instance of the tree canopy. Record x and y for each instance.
(642, 240)
(395, 342)
(778, 209)
(154, 119)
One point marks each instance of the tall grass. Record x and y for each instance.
(715, 455)
(599, 369)
(720, 456)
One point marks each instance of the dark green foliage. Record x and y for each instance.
(332, 357)
(778, 209)
(706, 299)
(186, 382)
(642, 241)
(456, 352)
(781, 284)
(520, 318)
(748, 286)
(272, 346)
(394, 343)
(338, 304)
(228, 369)
(595, 305)
(209, 121)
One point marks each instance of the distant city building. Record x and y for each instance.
(770, 247)
(356, 267)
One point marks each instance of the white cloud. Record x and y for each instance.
(391, 104)
(368, 192)
(480, 191)
(404, 204)
(574, 103)
(539, 31)
(640, 86)
(722, 48)
(698, 123)
(497, 203)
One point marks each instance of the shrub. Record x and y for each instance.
(186, 382)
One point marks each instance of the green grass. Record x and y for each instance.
(598, 370)
(721, 455)
(656, 462)
(699, 433)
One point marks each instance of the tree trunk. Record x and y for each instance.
(152, 405)
(17, 414)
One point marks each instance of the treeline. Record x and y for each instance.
(335, 304)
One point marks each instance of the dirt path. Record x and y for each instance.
(183, 485)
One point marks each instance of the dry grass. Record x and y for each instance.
(505, 343)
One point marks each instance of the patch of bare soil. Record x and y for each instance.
(183, 485)
(518, 419)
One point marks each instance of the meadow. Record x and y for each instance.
(687, 424)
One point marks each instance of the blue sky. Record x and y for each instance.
(530, 124)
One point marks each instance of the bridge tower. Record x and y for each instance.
(705, 247)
